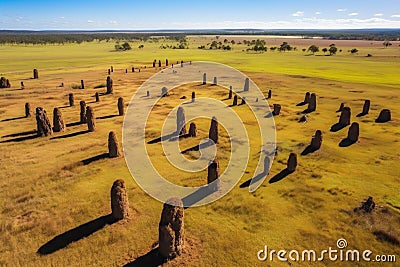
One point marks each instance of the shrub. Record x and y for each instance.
(125, 46)
(76, 86)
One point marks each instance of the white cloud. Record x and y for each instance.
(317, 13)
(298, 23)
(341, 10)
(353, 14)
(298, 14)
(61, 17)
(378, 15)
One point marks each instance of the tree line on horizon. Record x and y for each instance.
(42, 38)
(33, 37)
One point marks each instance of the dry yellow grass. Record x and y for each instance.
(46, 189)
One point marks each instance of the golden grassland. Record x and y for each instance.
(47, 186)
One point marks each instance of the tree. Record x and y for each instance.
(354, 51)
(259, 45)
(324, 50)
(141, 46)
(304, 50)
(126, 46)
(117, 47)
(313, 49)
(285, 47)
(387, 43)
(214, 45)
(332, 50)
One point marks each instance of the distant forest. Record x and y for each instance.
(61, 37)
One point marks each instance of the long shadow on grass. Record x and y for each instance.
(346, 142)
(14, 119)
(383, 236)
(107, 117)
(20, 134)
(256, 179)
(188, 102)
(198, 147)
(162, 138)
(20, 139)
(70, 135)
(267, 165)
(308, 150)
(307, 111)
(95, 158)
(337, 127)
(196, 196)
(301, 104)
(76, 234)
(280, 176)
(176, 137)
(270, 114)
(202, 84)
(73, 124)
(150, 259)
(361, 114)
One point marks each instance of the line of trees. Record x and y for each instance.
(42, 38)
(60, 37)
(314, 49)
(387, 43)
(332, 50)
(258, 46)
(261, 46)
(216, 45)
(183, 43)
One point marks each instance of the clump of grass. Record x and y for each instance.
(76, 86)
(102, 85)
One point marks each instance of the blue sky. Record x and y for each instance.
(198, 14)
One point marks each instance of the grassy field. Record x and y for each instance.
(47, 186)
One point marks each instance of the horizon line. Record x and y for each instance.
(200, 29)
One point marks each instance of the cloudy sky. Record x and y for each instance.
(198, 14)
